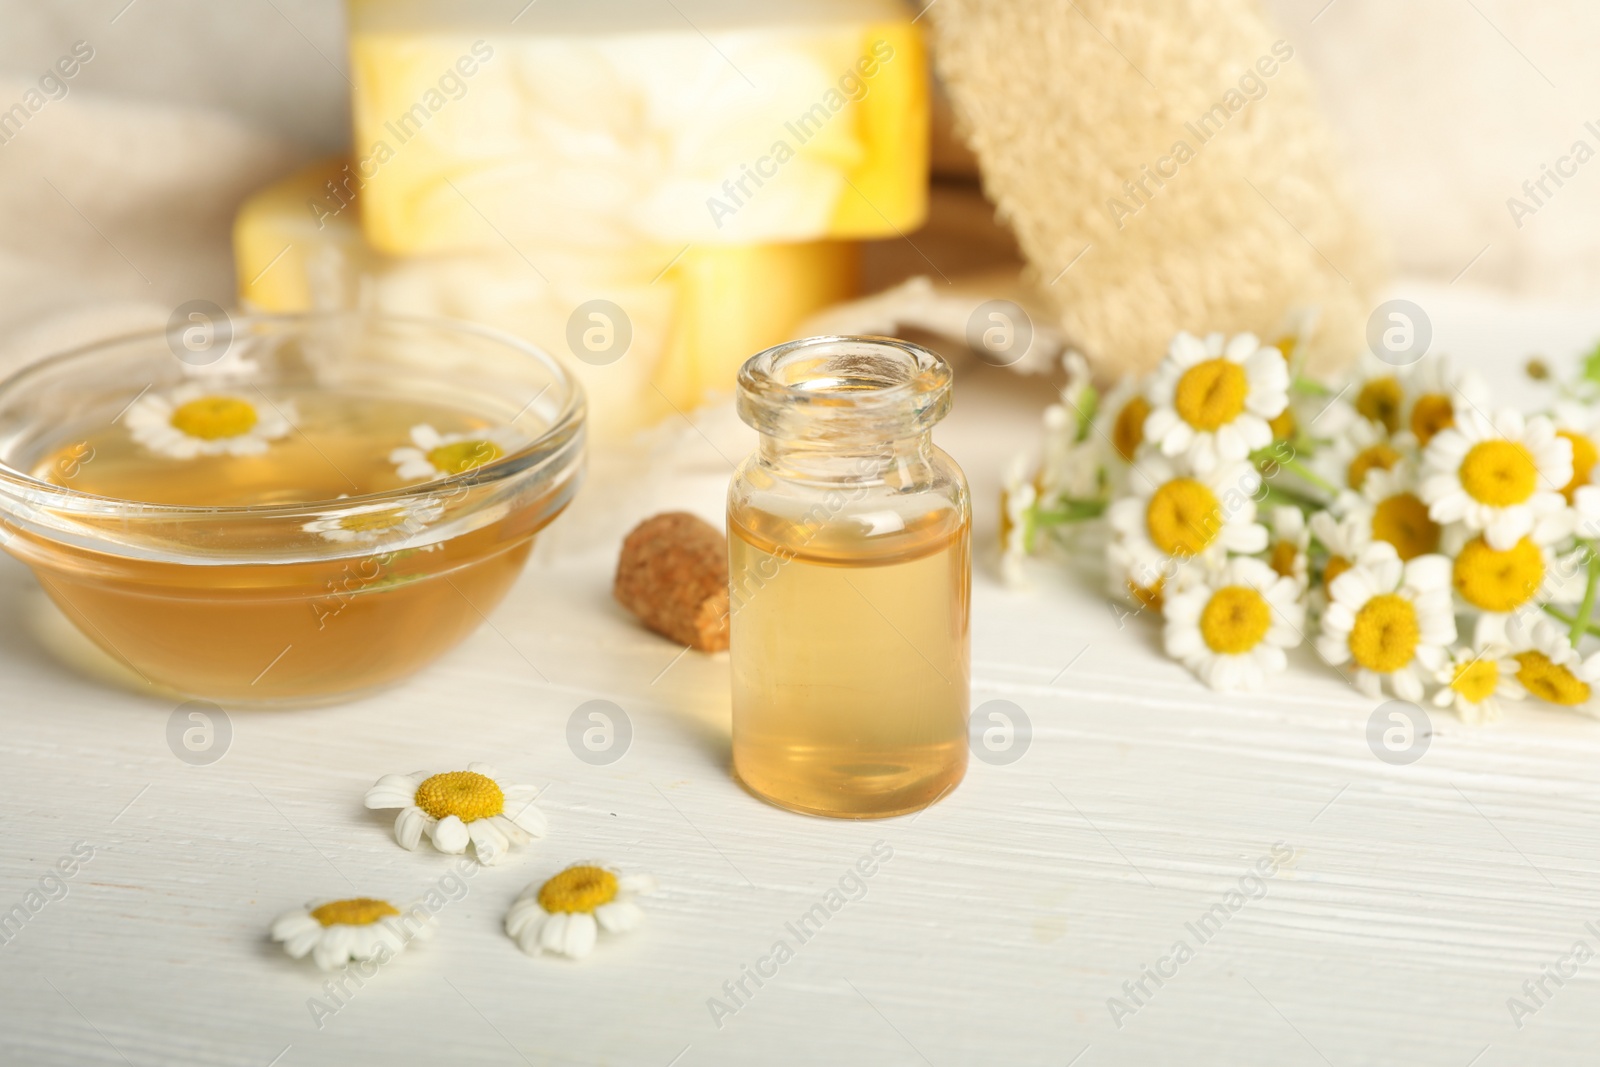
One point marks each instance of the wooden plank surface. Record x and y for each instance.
(1405, 904)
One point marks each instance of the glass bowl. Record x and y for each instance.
(268, 598)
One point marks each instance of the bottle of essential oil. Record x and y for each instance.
(850, 571)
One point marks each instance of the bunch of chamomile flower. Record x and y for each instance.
(1422, 538)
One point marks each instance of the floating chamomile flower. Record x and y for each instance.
(1476, 680)
(1232, 627)
(193, 420)
(1168, 514)
(1548, 667)
(1211, 400)
(1502, 477)
(1392, 619)
(566, 913)
(460, 807)
(338, 931)
(375, 522)
(435, 455)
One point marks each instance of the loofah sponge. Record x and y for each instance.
(1164, 167)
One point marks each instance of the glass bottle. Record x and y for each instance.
(850, 572)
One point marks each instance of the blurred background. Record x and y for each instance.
(120, 196)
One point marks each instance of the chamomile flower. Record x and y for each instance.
(1498, 584)
(1144, 580)
(458, 808)
(1211, 399)
(1070, 465)
(1169, 514)
(435, 455)
(1289, 539)
(1392, 620)
(338, 931)
(1433, 392)
(1476, 680)
(1502, 477)
(1548, 667)
(1363, 447)
(1344, 537)
(565, 914)
(1395, 513)
(195, 420)
(1231, 628)
(1380, 399)
(1580, 425)
(376, 522)
(1017, 498)
(1121, 416)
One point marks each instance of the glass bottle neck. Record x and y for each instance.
(906, 461)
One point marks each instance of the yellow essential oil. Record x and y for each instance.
(850, 578)
(339, 617)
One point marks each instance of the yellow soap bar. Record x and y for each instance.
(619, 123)
(649, 330)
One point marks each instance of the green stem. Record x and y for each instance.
(1580, 625)
(1279, 495)
(1309, 387)
(1069, 511)
(1294, 466)
(1561, 616)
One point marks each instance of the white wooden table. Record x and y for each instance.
(1415, 899)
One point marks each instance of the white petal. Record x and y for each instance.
(580, 935)
(408, 827)
(450, 835)
(393, 791)
(553, 934)
(619, 916)
(291, 923)
(488, 842)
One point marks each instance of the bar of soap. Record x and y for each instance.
(673, 575)
(614, 123)
(692, 316)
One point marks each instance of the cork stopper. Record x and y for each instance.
(673, 575)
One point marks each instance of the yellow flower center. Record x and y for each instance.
(372, 521)
(467, 795)
(1235, 620)
(1211, 394)
(463, 456)
(1550, 682)
(1337, 565)
(1386, 633)
(1285, 558)
(362, 911)
(1379, 400)
(1381, 455)
(1402, 520)
(1498, 581)
(213, 417)
(1183, 517)
(1282, 424)
(1431, 413)
(578, 888)
(1584, 455)
(1127, 431)
(1149, 597)
(1476, 680)
(1499, 473)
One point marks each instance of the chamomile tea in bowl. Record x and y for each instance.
(314, 509)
